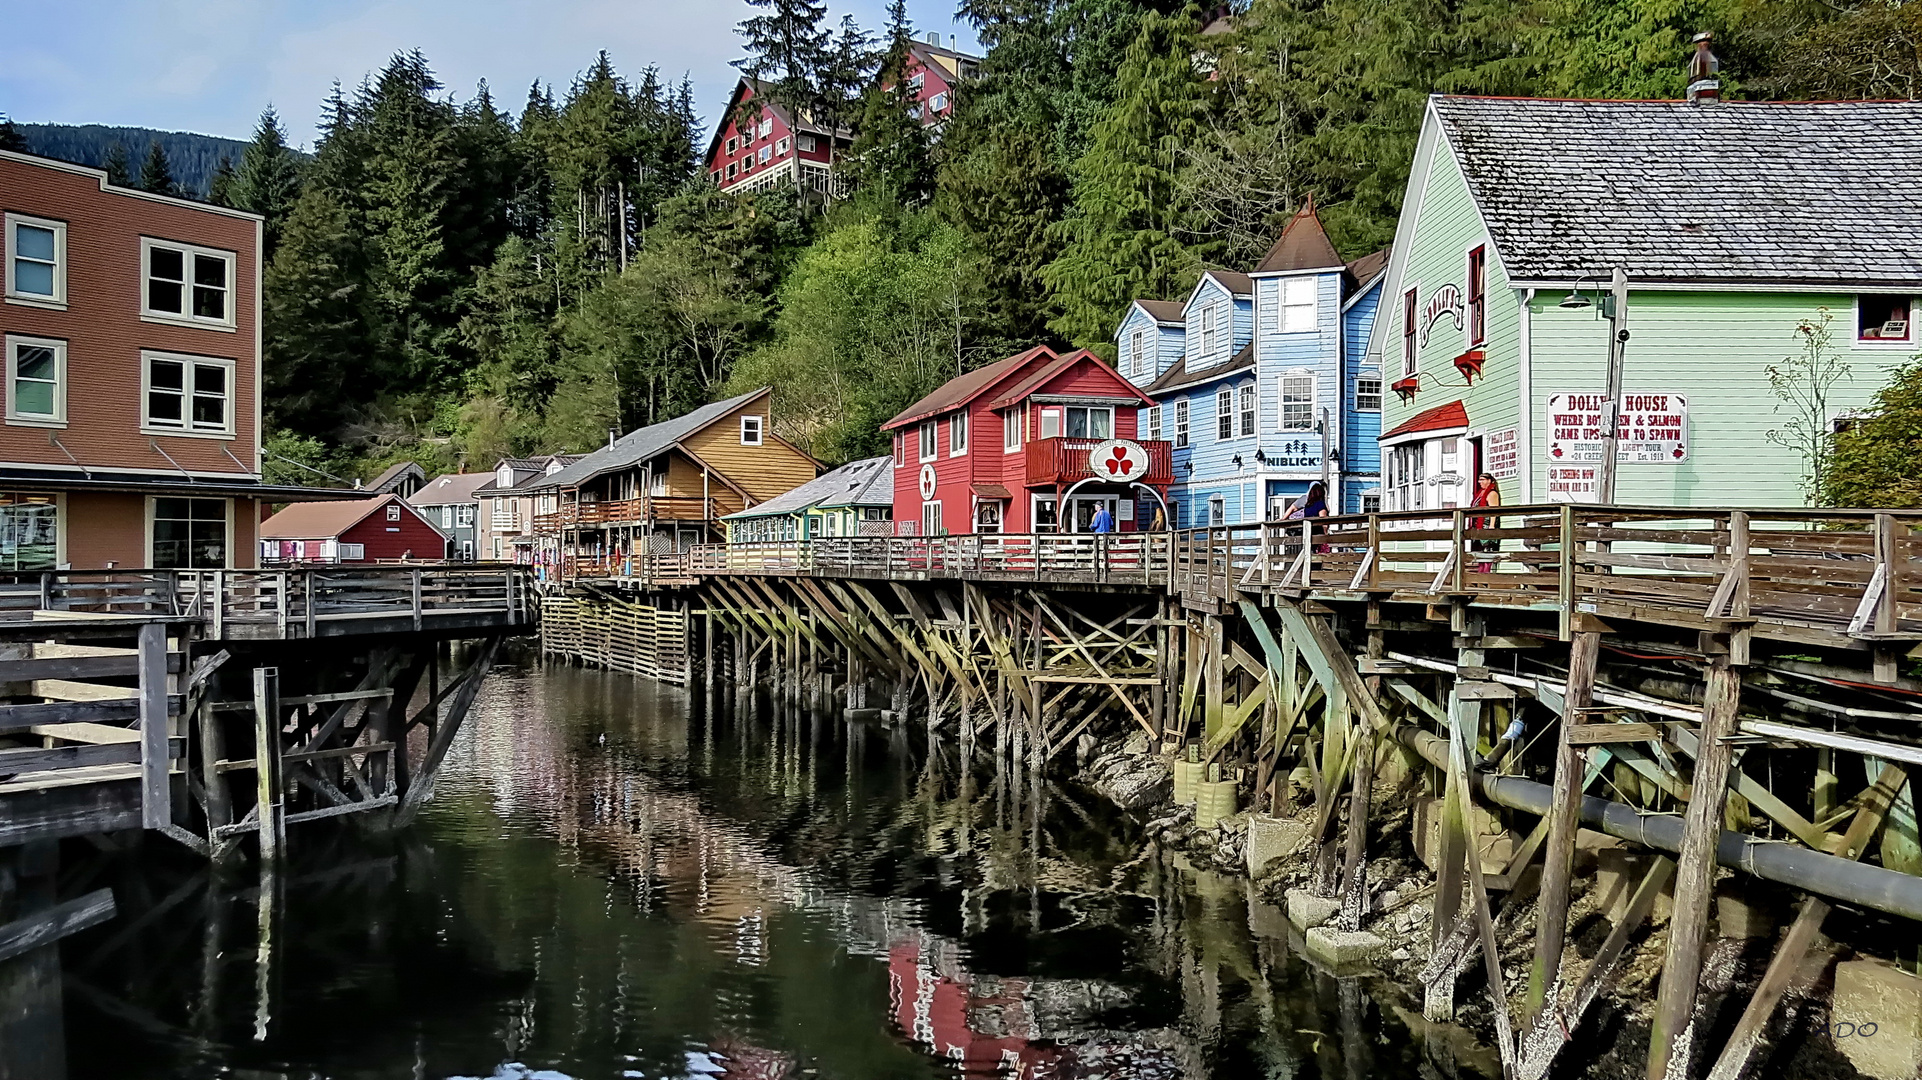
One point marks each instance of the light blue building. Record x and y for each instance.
(1260, 383)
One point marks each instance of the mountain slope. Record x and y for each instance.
(193, 157)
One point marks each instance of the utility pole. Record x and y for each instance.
(1327, 480)
(1616, 310)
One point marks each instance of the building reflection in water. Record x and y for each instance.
(615, 881)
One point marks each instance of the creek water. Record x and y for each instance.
(615, 881)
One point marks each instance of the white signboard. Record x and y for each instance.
(1118, 461)
(1653, 431)
(927, 482)
(1502, 453)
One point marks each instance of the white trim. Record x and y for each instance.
(226, 500)
(1422, 436)
(132, 193)
(188, 254)
(16, 418)
(1281, 400)
(1247, 409)
(1856, 341)
(1405, 228)
(58, 301)
(1525, 427)
(1641, 285)
(189, 360)
(1225, 416)
(1282, 306)
(929, 448)
(1381, 391)
(1011, 424)
(760, 429)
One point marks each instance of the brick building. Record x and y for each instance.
(130, 435)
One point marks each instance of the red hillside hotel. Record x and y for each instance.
(131, 327)
(1000, 448)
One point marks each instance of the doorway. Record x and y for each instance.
(1083, 508)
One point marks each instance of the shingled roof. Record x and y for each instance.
(1734, 192)
(640, 444)
(1304, 245)
(868, 482)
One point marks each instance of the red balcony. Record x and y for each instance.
(1064, 461)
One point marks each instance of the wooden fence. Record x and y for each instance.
(619, 635)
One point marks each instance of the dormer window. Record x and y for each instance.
(1209, 331)
(1299, 305)
(1883, 320)
(1138, 352)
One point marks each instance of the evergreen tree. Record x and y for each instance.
(119, 172)
(314, 316)
(10, 137)
(1119, 242)
(268, 180)
(788, 51)
(220, 186)
(156, 175)
(890, 159)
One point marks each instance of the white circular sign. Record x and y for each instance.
(1118, 461)
(927, 482)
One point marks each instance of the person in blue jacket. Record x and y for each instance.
(1103, 521)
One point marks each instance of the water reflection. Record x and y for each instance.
(614, 881)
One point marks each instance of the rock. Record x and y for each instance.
(1344, 948)
(1875, 1018)
(1137, 744)
(1307, 910)
(1270, 838)
(1130, 781)
(1401, 955)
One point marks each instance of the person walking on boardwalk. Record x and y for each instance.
(1487, 493)
(1103, 521)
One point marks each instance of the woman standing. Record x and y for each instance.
(1487, 493)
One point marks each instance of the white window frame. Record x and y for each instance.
(1091, 410)
(1855, 323)
(1151, 422)
(393, 511)
(733, 146)
(1210, 330)
(59, 228)
(939, 102)
(925, 447)
(1181, 422)
(1247, 404)
(464, 516)
(804, 144)
(58, 418)
(1224, 414)
(753, 430)
(958, 434)
(917, 80)
(931, 518)
(1361, 381)
(1282, 402)
(765, 128)
(1011, 430)
(1299, 310)
(188, 253)
(781, 145)
(187, 430)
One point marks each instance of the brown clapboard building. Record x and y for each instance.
(130, 435)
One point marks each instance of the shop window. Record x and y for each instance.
(189, 534)
(29, 532)
(1883, 319)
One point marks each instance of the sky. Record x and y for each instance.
(210, 66)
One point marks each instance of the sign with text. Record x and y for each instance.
(1118, 461)
(1443, 303)
(1502, 453)
(1653, 431)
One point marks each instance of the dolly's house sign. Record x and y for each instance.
(1653, 431)
(1445, 303)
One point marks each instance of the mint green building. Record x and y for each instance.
(856, 499)
(1734, 221)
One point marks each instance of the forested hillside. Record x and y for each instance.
(454, 279)
(193, 159)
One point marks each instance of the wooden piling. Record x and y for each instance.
(270, 801)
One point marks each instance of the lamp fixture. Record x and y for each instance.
(1261, 458)
(1237, 461)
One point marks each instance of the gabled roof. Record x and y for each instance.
(451, 488)
(396, 474)
(1180, 376)
(929, 49)
(1235, 282)
(868, 482)
(1166, 312)
(1369, 267)
(780, 112)
(524, 470)
(1304, 245)
(1439, 418)
(962, 389)
(323, 520)
(1046, 373)
(1731, 192)
(641, 444)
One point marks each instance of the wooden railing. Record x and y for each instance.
(314, 602)
(1122, 558)
(1849, 572)
(628, 512)
(1065, 461)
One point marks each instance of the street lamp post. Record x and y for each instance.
(1615, 310)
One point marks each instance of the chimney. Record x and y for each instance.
(610, 438)
(934, 38)
(954, 43)
(1703, 86)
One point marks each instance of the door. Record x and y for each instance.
(1085, 507)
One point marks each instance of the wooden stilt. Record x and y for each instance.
(1695, 873)
(1564, 819)
(268, 790)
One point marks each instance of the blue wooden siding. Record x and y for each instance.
(1167, 345)
(1360, 453)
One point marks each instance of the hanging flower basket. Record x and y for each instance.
(1405, 388)
(1470, 365)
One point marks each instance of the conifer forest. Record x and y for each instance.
(453, 276)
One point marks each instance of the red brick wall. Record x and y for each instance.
(105, 333)
(111, 527)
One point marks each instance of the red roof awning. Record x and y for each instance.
(1439, 418)
(992, 491)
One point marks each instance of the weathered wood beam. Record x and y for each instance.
(1564, 817)
(48, 925)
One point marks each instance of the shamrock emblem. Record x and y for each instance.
(1117, 461)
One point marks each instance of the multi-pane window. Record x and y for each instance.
(29, 532)
(1299, 305)
(1408, 332)
(188, 394)
(189, 534)
(958, 434)
(36, 259)
(1090, 422)
(926, 434)
(767, 152)
(1246, 396)
(804, 143)
(36, 380)
(1297, 402)
(1224, 413)
(931, 519)
(1181, 422)
(1210, 333)
(780, 147)
(188, 283)
(1405, 475)
(1477, 296)
(765, 128)
(733, 145)
(1138, 352)
(1368, 393)
(1371, 503)
(1011, 429)
(1152, 422)
(751, 431)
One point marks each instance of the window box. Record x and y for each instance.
(186, 395)
(1470, 365)
(1406, 387)
(36, 381)
(187, 284)
(36, 271)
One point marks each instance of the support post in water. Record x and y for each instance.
(1564, 820)
(270, 801)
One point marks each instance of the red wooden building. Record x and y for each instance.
(382, 529)
(997, 449)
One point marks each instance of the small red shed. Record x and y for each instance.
(998, 449)
(380, 529)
